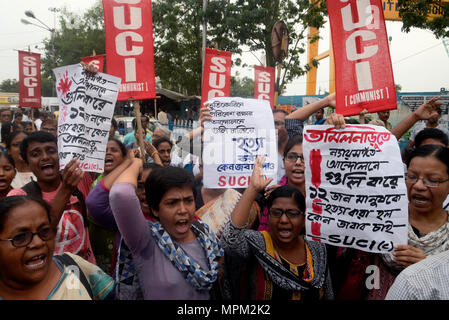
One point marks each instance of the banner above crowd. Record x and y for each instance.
(356, 193)
(86, 107)
(30, 79)
(264, 83)
(363, 71)
(216, 75)
(129, 47)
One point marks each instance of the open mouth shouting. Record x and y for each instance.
(49, 169)
(182, 225)
(108, 162)
(36, 262)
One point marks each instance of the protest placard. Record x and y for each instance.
(86, 106)
(240, 130)
(355, 186)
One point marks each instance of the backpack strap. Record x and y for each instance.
(66, 260)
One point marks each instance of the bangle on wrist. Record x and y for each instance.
(152, 155)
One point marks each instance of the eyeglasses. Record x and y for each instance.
(293, 157)
(412, 179)
(23, 239)
(291, 214)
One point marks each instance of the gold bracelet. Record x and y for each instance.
(153, 154)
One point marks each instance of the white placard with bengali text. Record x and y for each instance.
(240, 130)
(355, 186)
(86, 107)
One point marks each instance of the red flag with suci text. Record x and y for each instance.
(216, 75)
(97, 61)
(264, 83)
(363, 71)
(129, 47)
(30, 79)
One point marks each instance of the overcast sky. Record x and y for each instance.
(420, 62)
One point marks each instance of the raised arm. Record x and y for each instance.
(126, 208)
(71, 176)
(239, 216)
(306, 111)
(425, 111)
(97, 201)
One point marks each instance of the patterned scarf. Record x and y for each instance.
(192, 271)
(432, 243)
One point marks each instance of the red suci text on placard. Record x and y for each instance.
(129, 47)
(264, 83)
(363, 72)
(30, 79)
(216, 75)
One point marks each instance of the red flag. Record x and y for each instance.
(216, 75)
(363, 72)
(30, 79)
(129, 47)
(97, 61)
(264, 83)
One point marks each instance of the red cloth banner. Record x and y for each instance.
(30, 79)
(264, 83)
(129, 47)
(97, 61)
(363, 72)
(216, 75)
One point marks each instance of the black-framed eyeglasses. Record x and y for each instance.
(23, 239)
(291, 213)
(431, 183)
(293, 157)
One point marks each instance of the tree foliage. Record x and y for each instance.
(242, 87)
(9, 85)
(417, 13)
(250, 23)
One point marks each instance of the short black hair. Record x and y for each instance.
(287, 192)
(9, 203)
(291, 143)
(431, 150)
(38, 136)
(431, 133)
(162, 179)
(157, 142)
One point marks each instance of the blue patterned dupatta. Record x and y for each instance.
(191, 270)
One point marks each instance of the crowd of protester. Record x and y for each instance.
(150, 229)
